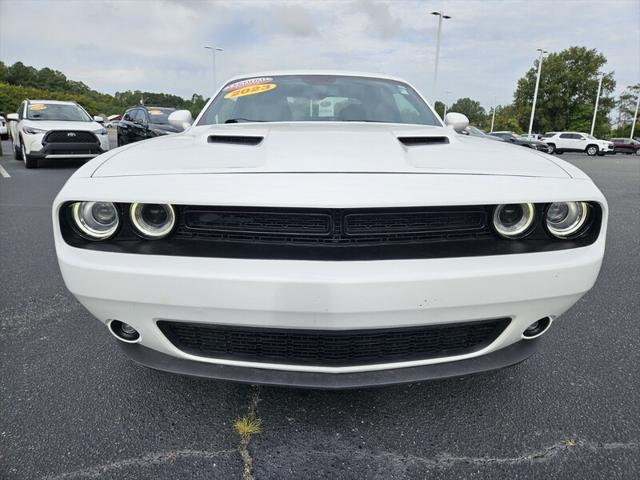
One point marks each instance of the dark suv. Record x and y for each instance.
(626, 145)
(140, 123)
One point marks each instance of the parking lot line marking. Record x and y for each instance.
(4, 173)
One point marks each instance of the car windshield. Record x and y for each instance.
(159, 116)
(318, 98)
(57, 111)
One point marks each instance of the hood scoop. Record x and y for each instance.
(235, 139)
(417, 141)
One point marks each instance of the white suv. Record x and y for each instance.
(561, 142)
(53, 129)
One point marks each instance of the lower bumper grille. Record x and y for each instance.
(331, 348)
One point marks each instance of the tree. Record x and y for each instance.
(472, 109)
(567, 93)
(626, 106)
(438, 106)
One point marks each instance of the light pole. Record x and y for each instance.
(213, 57)
(440, 15)
(446, 101)
(493, 117)
(635, 117)
(535, 93)
(595, 110)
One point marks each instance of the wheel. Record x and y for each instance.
(29, 161)
(17, 154)
(592, 150)
(637, 152)
(551, 148)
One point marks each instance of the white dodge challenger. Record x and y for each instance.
(327, 229)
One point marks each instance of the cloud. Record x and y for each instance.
(158, 45)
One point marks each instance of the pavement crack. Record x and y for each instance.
(156, 458)
(445, 460)
(248, 425)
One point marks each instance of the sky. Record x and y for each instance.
(158, 45)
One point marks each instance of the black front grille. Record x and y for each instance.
(333, 227)
(70, 136)
(331, 348)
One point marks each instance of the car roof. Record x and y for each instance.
(342, 73)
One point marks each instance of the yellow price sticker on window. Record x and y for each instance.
(37, 107)
(252, 90)
(155, 112)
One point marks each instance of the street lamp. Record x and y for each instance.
(446, 100)
(635, 117)
(493, 116)
(213, 57)
(535, 93)
(595, 110)
(440, 15)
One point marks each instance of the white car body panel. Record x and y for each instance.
(327, 165)
(336, 147)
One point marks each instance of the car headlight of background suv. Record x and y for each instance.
(100, 131)
(33, 131)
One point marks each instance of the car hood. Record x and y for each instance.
(332, 147)
(62, 125)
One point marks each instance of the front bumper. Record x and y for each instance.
(505, 357)
(36, 148)
(143, 289)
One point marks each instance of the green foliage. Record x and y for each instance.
(472, 109)
(19, 81)
(438, 106)
(567, 93)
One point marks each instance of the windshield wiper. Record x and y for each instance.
(238, 120)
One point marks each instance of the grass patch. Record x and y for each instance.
(247, 426)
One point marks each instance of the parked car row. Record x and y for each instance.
(51, 129)
(560, 142)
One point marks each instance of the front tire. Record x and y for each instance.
(551, 148)
(592, 150)
(17, 153)
(29, 161)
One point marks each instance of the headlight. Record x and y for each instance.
(33, 131)
(152, 220)
(566, 219)
(95, 220)
(513, 220)
(100, 131)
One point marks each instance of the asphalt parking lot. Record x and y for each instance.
(73, 407)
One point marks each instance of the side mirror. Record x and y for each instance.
(13, 116)
(457, 121)
(98, 119)
(181, 119)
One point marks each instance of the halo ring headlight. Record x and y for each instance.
(565, 220)
(152, 220)
(95, 220)
(513, 220)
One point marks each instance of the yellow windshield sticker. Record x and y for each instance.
(37, 107)
(251, 90)
(155, 112)
(247, 83)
